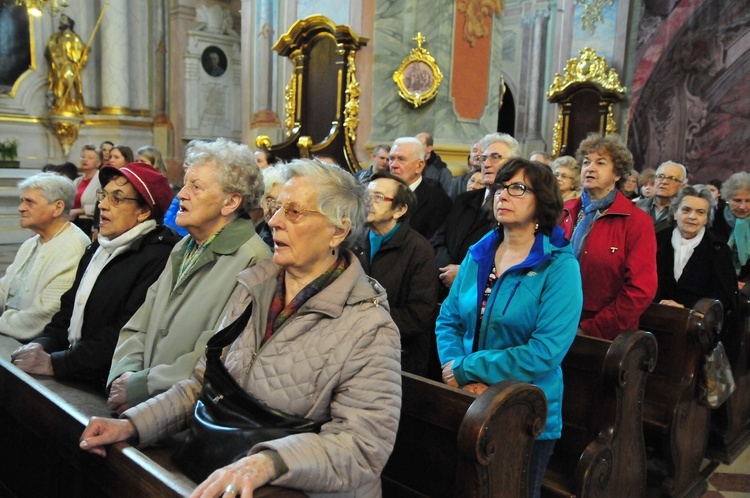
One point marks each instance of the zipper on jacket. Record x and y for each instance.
(512, 293)
(249, 365)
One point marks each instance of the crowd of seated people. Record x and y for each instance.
(376, 273)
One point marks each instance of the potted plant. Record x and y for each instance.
(9, 153)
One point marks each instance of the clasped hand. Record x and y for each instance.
(32, 359)
(118, 394)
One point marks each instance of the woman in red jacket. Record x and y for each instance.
(614, 241)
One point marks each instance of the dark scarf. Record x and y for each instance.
(278, 314)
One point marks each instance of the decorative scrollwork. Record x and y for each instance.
(587, 68)
(475, 11)
(351, 108)
(557, 132)
(611, 124)
(66, 130)
(592, 13)
(290, 104)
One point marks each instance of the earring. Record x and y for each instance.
(536, 227)
(333, 251)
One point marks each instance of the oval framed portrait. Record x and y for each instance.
(214, 61)
(418, 77)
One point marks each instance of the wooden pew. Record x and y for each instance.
(676, 426)
(601, 451)
(729, 423)
(41, 421)
(453, 443)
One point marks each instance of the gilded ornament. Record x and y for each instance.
(66, 130)
(611, 124)
(557, 133)
(587, 68)
(418, 77)
(290, 98)
(353, 91)
(592, 13)
(475, 11)
(263, 142)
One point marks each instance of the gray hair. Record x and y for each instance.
(154, 157)
(53, 188)
(735, 183)
(570, 163)
(345, 197)
(681, 166)
(236, 166)
(492, 138)
(415, 143)
(700, 191)
(275, 175)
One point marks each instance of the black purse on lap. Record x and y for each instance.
(228, 421)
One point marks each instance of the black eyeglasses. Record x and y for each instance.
(514, 189)
(493, 157)
(292, 210)
(114, 198)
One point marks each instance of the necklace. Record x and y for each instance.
(63, 227)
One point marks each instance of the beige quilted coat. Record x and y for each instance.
(337, 357)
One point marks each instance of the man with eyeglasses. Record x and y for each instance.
(471, 216)
(670, 178)
(459, 183)
(407, 161)
(403, 262)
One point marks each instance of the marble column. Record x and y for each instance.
(536, 78)
(115, 59)
(140, 37)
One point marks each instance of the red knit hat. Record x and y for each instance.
(149, 183)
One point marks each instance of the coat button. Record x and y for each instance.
(163, 332)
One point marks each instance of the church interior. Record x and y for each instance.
(335, 78)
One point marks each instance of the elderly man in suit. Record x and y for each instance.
(407, 161)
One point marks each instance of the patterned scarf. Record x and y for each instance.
(192, 254)
(587, 216)
(278, 314)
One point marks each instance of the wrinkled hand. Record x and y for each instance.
(103, 431)
(245, 475)
(475, 387)
(669, 302)
(32, 359)
(118, 395)
(448, 376)
(448, 275)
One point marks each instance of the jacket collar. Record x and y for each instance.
(543, 249)
(622, 206)
(352, 287)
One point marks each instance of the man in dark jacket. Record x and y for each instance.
(433, 204)
(403, 262)
(435, 168)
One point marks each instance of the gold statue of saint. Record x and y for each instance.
(66, 54)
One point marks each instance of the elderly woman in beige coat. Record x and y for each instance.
(165, 338)
(320, 343)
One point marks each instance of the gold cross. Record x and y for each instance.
(419, 39)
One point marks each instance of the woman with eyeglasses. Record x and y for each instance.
(111, 281)
(513, 309)
(613, 240)
(320, 343)
(568, 176)
(165, 338)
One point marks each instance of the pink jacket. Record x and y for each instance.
(618, 267)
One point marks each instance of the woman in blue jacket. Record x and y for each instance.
(513, 310)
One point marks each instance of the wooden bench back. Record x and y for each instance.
(453, 443)
(601, 451)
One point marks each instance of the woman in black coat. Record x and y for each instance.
(692, 263)
(111, 281)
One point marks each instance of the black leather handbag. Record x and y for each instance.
(228, 421)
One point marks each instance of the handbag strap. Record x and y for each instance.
(230, 333)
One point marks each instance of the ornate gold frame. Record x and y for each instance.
(32, 66)
(413, 66)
